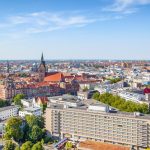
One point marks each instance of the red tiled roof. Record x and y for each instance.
(69, 77)
(79, 78)
(57, 77)
(43, 100)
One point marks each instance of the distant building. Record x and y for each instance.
(11, 88)
(45, 83)
(135, 97)
(34, 67)
(126, 65)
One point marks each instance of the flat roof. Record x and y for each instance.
(111, 114)
(31, 109)
(92, 102)
(65, 98)
(7, 108)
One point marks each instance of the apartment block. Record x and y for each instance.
(98, 122)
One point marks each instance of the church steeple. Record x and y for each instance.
(42, 60)
(42, 69)
(8, 67)
(42, 57)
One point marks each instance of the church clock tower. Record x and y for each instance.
(42, 69)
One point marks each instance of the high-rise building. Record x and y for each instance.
(97, 123)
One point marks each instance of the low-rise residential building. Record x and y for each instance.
(87, 94)
(27, 102)
(67, 100)
(135, 97)
(7, 112)
(39, 101)
(30, 111)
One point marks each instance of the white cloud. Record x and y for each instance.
(40, 22)
(126, 6)
(45, 21)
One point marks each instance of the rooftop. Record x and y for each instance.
(31, 109)
(56, 77)
(99, 145)
(91, 102)
(7, 108)
(66, 98)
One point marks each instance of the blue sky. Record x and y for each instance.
(75, 29)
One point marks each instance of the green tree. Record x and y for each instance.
(36, 133)
(29, 128)
(17, 99)
(48, 139)
(4, 103)
(37, 146)
(17, 148)
(114, 80)
(34, 120)
(96, 95)
(43, 107)
(9, 145)
(13, 129)
(27, 145)
(120, 103)
(41, 121)
(31, 120)
(68, 146)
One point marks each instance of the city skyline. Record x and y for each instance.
(65, 29)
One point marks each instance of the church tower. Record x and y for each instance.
(8, 67)
(7, 72)
(42, 69)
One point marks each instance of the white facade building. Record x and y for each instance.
(98, 107)
(7, 112)
(30, 111)
(132, 96)
(2, 128)
(96, 123)
(26, 102)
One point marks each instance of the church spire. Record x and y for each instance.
(7, 67)
(42, 69)
(42, 60)
(42, 57)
